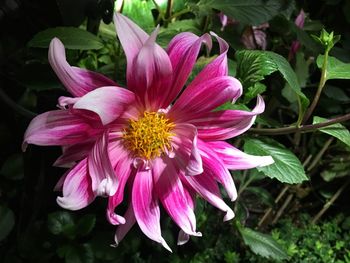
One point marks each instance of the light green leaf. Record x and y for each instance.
(253, 91)
(7, 221)
(336, 69)
(262, 244)
(287, 167)
(72, 38)
(140, 12)
(252, 12)
(336, 130)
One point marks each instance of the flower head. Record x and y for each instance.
(160, 143)
(299, 22)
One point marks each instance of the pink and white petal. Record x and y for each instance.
(66, 102)
(208, 189)
(183, 238)
(77, 191)
(123, 229)
(152, 72)
(104, 181)
(124, 172)
(77, 81)
(107, 102)
(58, 127)
(183, 51)
(146, 207)
(184, 144)
(205, 97)
(216, 169)
(216, 68)
(235, 159)
(170, 191)
(132, 38)
(222, 125)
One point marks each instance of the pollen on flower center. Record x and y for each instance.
(149, 136)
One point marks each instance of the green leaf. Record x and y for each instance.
(85, 225)
(13, 167)
(262, 244)
(7, 221)
(253, 91)
(254, 12)
(336, 130)
(336, 69)
(76, 253)
(60, 222)
(263, 195)
(287, 167)
(140, 12)
(254, 65)
(72, 38)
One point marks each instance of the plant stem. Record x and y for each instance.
(330, 202)
(319, 89)
(167, 15)
(303, 128)
(320, 154)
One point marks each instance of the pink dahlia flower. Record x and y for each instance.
(159, 144)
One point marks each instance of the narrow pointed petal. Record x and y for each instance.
(58, 127)
(186, 151)
(183, 51)
(183, 238)
(171, 193)
(205, 97)
(104, 182)
(123, 229)
(235, 159)
(152, 72)
(208, 189)
(77, 81)
(146, 207)
(77, 191)
(107, 102)
(216, 169)
(223, 125)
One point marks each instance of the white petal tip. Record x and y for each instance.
(229, 215)
(265, 161)
(165, 245)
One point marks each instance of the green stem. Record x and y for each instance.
(303, 128)
(319, 89)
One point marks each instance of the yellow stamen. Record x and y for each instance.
(149, 136)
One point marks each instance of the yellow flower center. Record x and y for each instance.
(149, 136)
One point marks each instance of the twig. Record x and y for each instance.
(320, 154)
(283, 207)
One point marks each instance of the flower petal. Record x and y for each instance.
(146, 207)
(152, 72)
(235, 159)
(77, 81)
(185, 146)
(223, 125)
(215, 168)
(205, 97)
(171, 193)
(208, 189)
(183, 50)
(104, 182)
(58, 127)
(107, 102)
(123, 229)
(77, 191)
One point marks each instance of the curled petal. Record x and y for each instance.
(104, 181)
(186, 151)
(107, 102)
(223, 125)
(208, 189)
(216, 169)
(205, 97)
(146, 207)
(77, 191)
(59, 127)
(171, 193)
(77, 81)
(123, 229)
(235, 159)
(183, 50)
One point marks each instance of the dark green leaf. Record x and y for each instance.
(262, 244)
(72, 38)
(287, 167)
(7, 221)
(85, 225)
(263, 195)
(13, 167)
(60, 222)
(336, 130)
(254, 12)
(336, 69)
